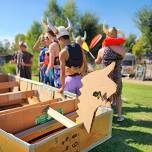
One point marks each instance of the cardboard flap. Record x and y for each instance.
(97, 87)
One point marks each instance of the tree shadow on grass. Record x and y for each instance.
(138, 108)
(122, 139)
(129, 123)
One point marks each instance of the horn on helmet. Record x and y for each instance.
(69, 24)
(85, 36)
(105, 28)
(119, 31)
(73, 36)
(44, 24)
(53, 28)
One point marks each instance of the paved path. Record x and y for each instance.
(128, 80)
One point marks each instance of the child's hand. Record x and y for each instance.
(23, 64)
(61, 90)
(47, 72)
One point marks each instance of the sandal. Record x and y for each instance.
(120, 119)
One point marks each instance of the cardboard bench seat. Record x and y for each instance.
(12, 98)
(20, 119)
(4, 78)
(35, 133)
(9, 84)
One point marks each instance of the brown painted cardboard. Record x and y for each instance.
(97, 81)
(9, 84)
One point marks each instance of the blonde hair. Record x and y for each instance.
(112, 32)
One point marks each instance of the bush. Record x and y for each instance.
(9, 68)
(35, 70)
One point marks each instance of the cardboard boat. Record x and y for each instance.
(63, 136)
(29, 128)
(55, 123)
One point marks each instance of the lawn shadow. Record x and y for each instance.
(138, 108)
(129, 123)
(121, 140)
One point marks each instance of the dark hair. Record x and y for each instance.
(66, 37)
(51, 33)
(23, 45)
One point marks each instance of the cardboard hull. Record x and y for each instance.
(16, 92)
(23, 118)
(3, 79)
(16, 83)
(70, 139)
(30, 129)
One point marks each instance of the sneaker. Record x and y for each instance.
(120, 118)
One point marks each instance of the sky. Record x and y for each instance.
(17, 16)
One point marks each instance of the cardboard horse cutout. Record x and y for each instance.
(101, 87)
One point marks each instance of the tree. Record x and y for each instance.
(33, 34)
(55, 13)
(139, 48)
(58, 15)
(70, 11)
(131, 40)
(18, 37)
(5, 47)
(6, 44)
(31, 37)
(144, 23)
(89, 23)
(2, 50)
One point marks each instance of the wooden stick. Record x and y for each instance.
(59, 117)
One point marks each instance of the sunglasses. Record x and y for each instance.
(59, 38)
(46, 38)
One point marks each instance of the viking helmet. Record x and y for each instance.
(22, 43)
(111, 32)
(79, 38)
(61, 30)
(44, 25)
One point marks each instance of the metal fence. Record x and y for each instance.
(144, 72)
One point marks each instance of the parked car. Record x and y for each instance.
(5, 59)
(129, 65)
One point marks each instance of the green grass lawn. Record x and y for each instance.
(35, 78)
(135, 133)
